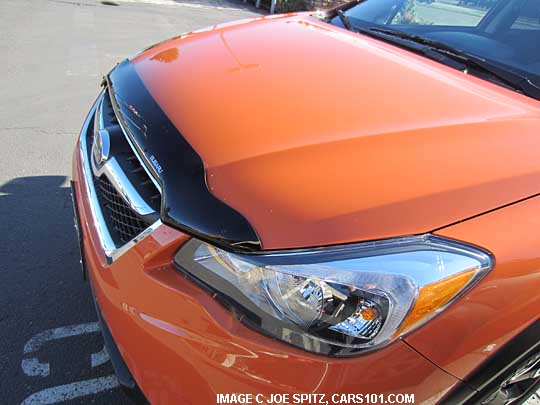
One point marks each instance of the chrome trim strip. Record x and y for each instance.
(141, 160)
(110, 250)
(112, 170)
(136, 151)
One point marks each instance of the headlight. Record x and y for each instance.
(343, 299)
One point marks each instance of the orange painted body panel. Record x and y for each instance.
(182, 346)
(503, 304)
(319, 136)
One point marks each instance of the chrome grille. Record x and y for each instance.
(128, 197)
(120, 217)
(142, 180)
(107, 113)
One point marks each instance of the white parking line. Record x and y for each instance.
(35, 343)
(99, 358)
(71, 391)
(33, 368)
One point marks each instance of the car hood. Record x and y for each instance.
(319, 136)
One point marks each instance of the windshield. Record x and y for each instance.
(505, 33)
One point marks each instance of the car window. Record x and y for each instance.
(503, 33)
(465, 13)
(529, 16)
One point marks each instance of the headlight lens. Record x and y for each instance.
(343, 299)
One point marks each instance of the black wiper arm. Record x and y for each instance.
(345, 20)
(512, 79)
(401, 34)
(435, 45)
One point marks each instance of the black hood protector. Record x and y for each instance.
(186, 202)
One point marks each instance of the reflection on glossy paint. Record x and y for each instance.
(489, 348)
(279, 355)
(230, 354)
(166, 56)
(134, 114)
(230, 358)
(256, 377)
(322, 378)
(241, 66)
(158, 323)
(166, 326)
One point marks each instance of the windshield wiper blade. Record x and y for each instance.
(507, 77)
(404, 35)
(345, 20)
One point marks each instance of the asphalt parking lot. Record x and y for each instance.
(54, 53)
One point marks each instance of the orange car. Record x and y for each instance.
(339, 207)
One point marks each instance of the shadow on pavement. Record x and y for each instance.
(41, 288)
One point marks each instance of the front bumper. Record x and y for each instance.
(180, 344)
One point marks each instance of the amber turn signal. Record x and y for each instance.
(435, 296)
